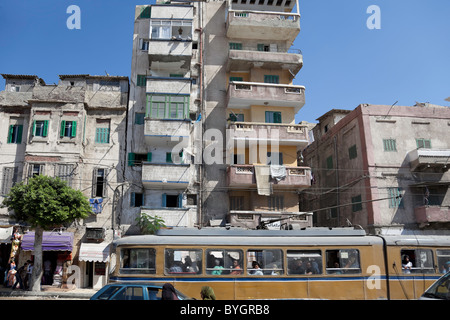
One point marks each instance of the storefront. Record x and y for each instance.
(56, 254)
(94, 261)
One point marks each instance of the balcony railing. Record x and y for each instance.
(244, 176)
(284, 134)
(165, 175)
(263, 25)
(241, 95)
(275, 58)
(422, 158)
(432, 214)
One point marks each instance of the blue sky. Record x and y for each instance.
(345, 63)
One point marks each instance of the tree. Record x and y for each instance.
(45, 203)
(149, 224)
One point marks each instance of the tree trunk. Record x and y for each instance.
(36, 275)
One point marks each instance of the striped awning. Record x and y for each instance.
(95, 252)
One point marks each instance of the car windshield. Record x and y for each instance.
(440, 289)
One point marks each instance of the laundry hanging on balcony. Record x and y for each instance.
(262, 180)
(277, 172)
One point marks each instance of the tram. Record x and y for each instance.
(315, 263)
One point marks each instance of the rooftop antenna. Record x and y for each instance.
(390, 109)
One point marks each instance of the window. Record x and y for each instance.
(276, 203)
(235, 46)
(273, 117)
(271, 79)
(65, 173)
(265, 262)
(443, 258)
(304, 262)
(167, 106)
(236, 79)
(171, 29)
(40, 128)
(395, 196)
(68, 129)
(178, 159)
(352, 153)
(137, 199)
(102, 130)
(139, 118)
(330, 163)
(263, 47)
(236, 203)
(172, 200)
(137, 261)
(423, 143)
(99, 185)
(143, 44)
(183, 261)
(9, 178)
(237, 117)
(390, 145)
(35, 169)
(136, 159)
(224, 262)
(417, 261)
(343, 261)
(129, 293)
(275, 158)
(356, 203)
(141, 80)
(15, 133)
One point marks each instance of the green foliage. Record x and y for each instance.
(150, 224)
(46, 202)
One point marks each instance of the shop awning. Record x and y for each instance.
(96, 252)
(5, 235)
(51, 241)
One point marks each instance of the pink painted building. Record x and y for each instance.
(384, 168)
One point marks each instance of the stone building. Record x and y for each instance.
(384, 168)
(74, 130)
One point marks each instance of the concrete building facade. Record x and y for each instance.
(384, 168)
(230, 67)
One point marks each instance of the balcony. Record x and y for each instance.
(245, 60)
(166, 175)
(244, 176)
(434, 159)
(179, 217)
(260, 25)
(163, 132)
(241, 95)
(283, 134)
(432, 214)
(172, 85)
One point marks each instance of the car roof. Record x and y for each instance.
(137, 283)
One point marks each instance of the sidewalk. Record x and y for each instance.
(50, 291)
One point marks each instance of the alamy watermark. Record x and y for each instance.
(374, 20)
(74, 20)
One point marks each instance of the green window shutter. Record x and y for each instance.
(74, 129)
(235, 46)
(145, 12)
(330, 162)
(133, 199)
(180, 200)
(34, 128)
(45, 129)
(63, 128)
(19, 133)
(169, 157)
(139, 118)
(131, 157)
(271, 79)
(352, 153)
(149, 157)
(356, 203)
(236, 79)
(10, 133)
(277, 117)
(141, 80)
(260, 47)
(164, 200)
(233, 117)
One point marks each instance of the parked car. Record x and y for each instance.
(133, 291)
(440, 290)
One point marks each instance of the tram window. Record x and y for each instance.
(443, 257)
(304, 262)
(183, 261)
(343, 261)
(417, 261)
(137, 261)
(223, 262)
(269, 261)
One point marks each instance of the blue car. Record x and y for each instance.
(133, 291)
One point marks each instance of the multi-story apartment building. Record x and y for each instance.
(75, 131)
(384, 168)
(212, 84)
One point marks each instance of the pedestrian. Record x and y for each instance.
(47, 272)
(20, 275)
(207, 293)
(29, 272)
(168, 292)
